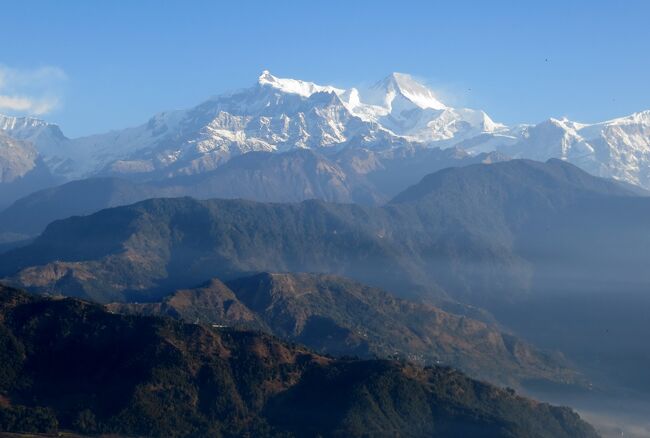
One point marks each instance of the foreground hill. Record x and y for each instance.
(338, 316)
(70, 364)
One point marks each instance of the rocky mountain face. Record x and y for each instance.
(17, 158)
(47, 140)
(334, 315)
(70, 364)
(21, 169)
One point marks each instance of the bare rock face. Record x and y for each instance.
(17, 158)
(22, 169)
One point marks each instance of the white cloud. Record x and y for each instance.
(31, 91)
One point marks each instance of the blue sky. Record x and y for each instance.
(95, 66)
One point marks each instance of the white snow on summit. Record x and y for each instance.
(278, 114)
(618, 148)
(398, 85)
(302, 88)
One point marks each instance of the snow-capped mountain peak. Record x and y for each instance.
(401, 84)
(47, 137)
(294, 86)
(618, 148)
(409, 109)
(10, 123)
(641, 117)
(279, 114)
(567, 124)
(275, 114)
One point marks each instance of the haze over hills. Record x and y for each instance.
(520, 238)
(466, 232)
(414, 219)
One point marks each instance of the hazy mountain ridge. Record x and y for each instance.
(338, 316)
(359, 175)
(67, 363)
(478, 215)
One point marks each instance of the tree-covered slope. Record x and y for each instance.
(338, 316)
(70, 364)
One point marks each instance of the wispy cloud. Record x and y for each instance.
(31, 91)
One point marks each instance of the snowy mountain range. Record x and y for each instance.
(278, 114)
(618, 148)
